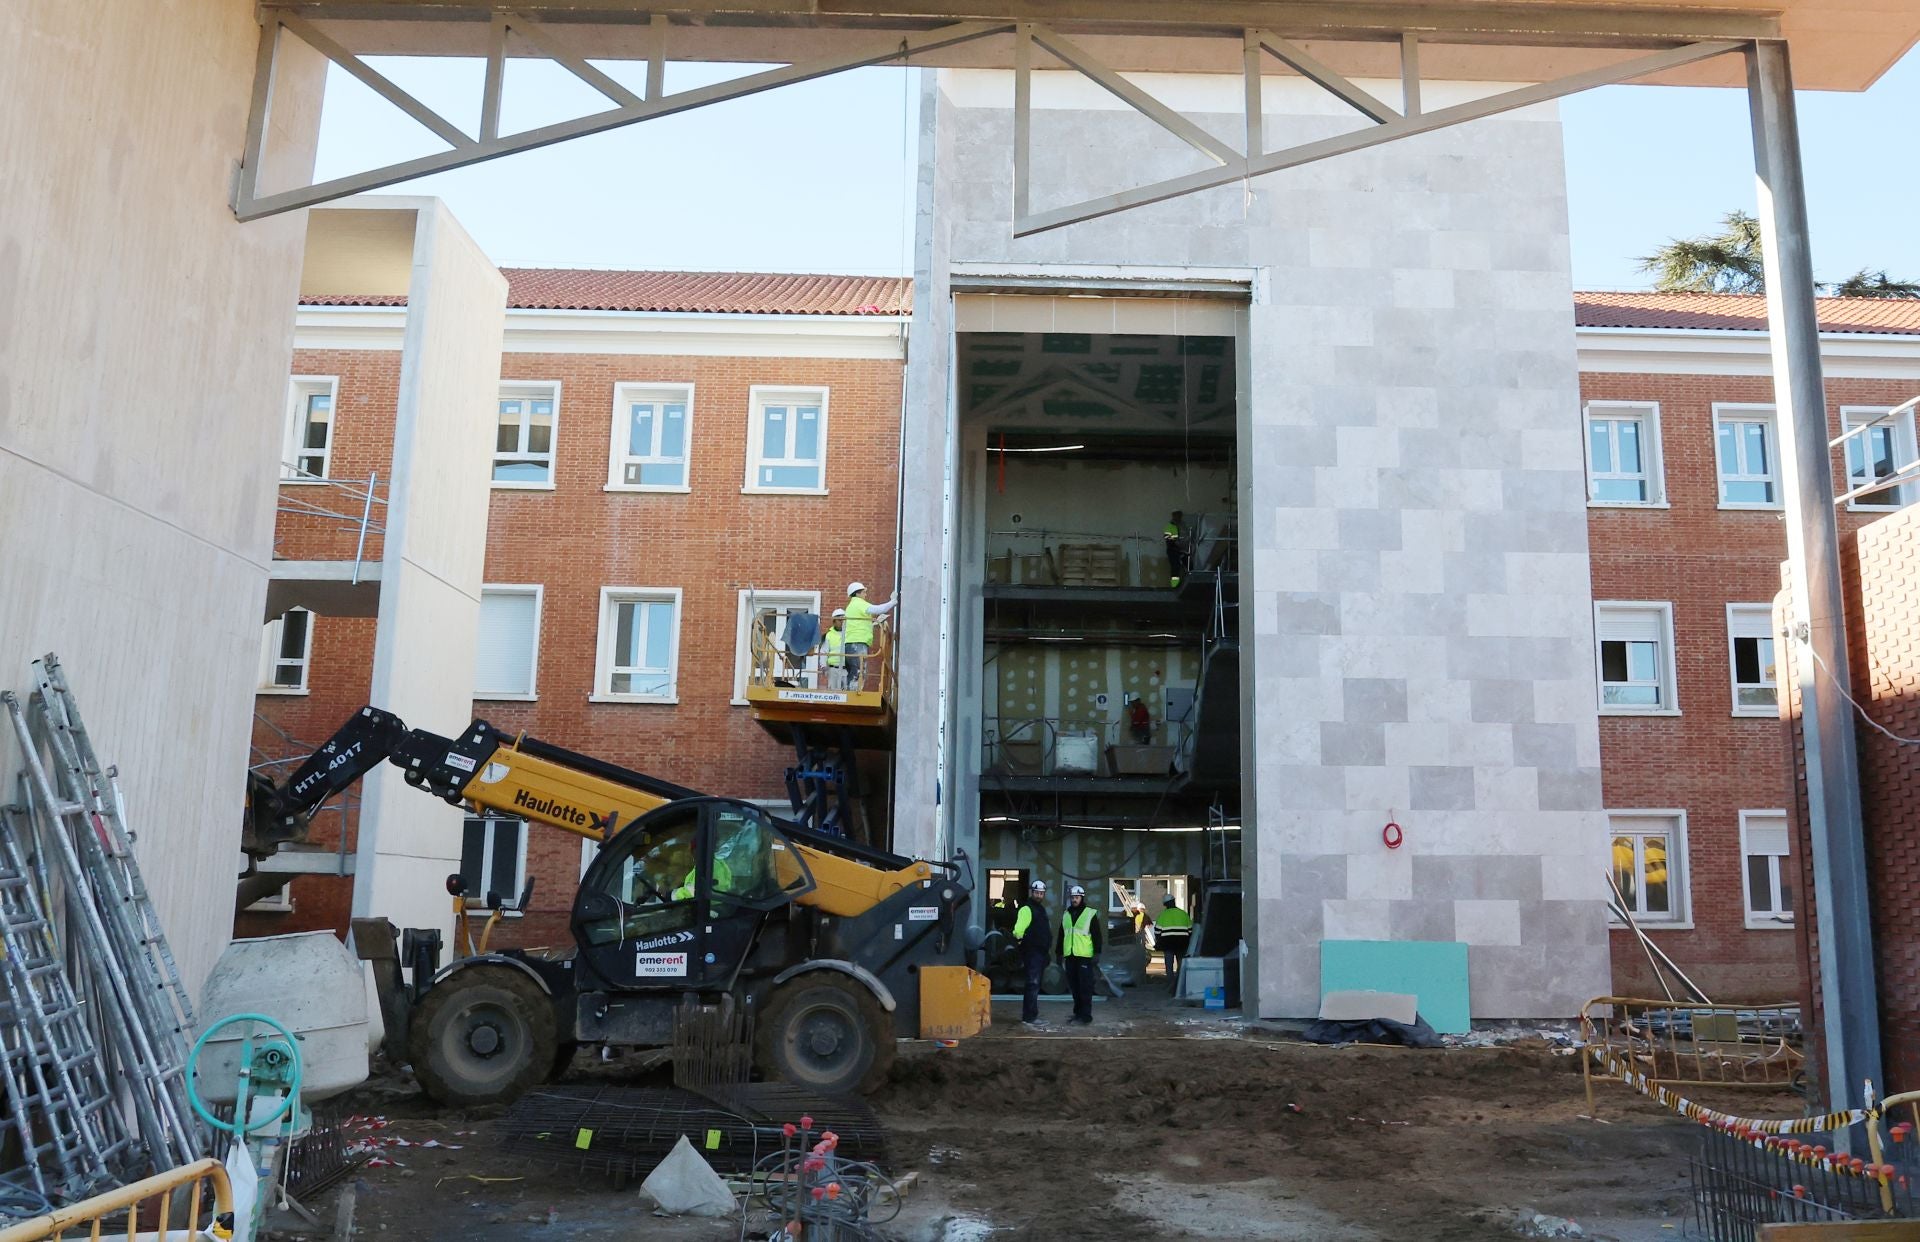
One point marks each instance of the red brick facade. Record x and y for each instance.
(711, 542)
(1706, 761)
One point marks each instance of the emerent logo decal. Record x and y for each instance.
(660, 965)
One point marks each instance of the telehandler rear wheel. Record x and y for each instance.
(484, 1035)
(825, 1031)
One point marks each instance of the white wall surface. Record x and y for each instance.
(145, 341)
(434, 556)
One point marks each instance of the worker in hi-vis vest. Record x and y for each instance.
(1176, 548)
(834, 643)
(859, 636)
(1032, 931)
(1172, 929)
(1083, 934)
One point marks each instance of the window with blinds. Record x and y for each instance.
(1750, 648)
(1634, 642)
(1768, 874)
(506, 655)
(1649, 852)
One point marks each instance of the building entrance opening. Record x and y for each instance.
(1101, 489)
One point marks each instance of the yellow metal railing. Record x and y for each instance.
(772, 667)
(1674, 1044)
(150, 1200)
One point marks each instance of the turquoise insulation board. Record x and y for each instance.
(1433, 970)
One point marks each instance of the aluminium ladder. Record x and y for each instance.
(49, 1064)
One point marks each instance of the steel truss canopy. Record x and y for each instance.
(1556, 48)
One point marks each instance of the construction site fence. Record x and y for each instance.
(1670, 1044)
(184, 1203)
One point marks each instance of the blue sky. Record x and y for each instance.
(818, 177)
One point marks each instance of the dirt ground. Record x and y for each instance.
(1153, 1123)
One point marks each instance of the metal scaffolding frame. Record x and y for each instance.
(896, 31)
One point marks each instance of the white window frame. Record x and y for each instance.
(477, 908)
(1775, 919)
(1680, 887)
(1852, 416)
(280, 902)
(539, 593)
(1652, 460)
(1749, 613)
(1747, 412)
(528, 390)
(603, 668)
(1669, 681)
(759, 396)
(617, 458)
(299, 388)
(742, 647)
(270, 657)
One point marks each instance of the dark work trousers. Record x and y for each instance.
(1036, 964)
(1176, 561)
(1080, 983)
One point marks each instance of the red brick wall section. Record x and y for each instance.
(711, 542)
(1880, 565)
(1706, 761)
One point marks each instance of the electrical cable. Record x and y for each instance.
(1847, 694)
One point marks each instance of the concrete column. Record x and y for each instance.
(1852, 1022)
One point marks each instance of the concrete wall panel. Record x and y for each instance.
(144, 342)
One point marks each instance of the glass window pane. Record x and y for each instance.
(1620, 491)
(1643, 661)
(473, 853)
(1759, 883)
(806, 433)
(293, 635)
(1653, 853)
(317, 427)
(1748, 493)
(773, 433)
(1786, 888)
(520, 472)
(640, 431)
(1600, 447)
(507, 438)
(1629, 435)
(1727, 448)
(658, 474)
(1625, 873)
(659, 634)
(1754, 448)
(623, 635)
(1758, 696)
(540, 428)
(1613, 661)
(790, 476)
(1746, 660)
(673, 430)
(504, 873)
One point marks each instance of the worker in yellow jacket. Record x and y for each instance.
(1030, 933)
(1172, 930)
(1083, 934)
(834, 644)
(861, 615)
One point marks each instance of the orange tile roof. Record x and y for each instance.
(709, 293)
(1739, 312)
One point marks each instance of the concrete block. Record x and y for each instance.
(1375, 700)
(1441, 789)
(1486, 922)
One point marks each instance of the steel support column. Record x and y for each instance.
(1849, 1002)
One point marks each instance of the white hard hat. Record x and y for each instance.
(1038, 886)
(1076, 891)
(854, 588)
(839, 612)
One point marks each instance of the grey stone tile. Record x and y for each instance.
(1475, 571)
(1422, 920)
(1308, 788)
(1545, 745)
(1301, 612)
(1549, 490)
(1350, 570)
(1470, 659)
(1478, 877)
(1375, 700)
(1313, 877)
(1558, 924)
(1570, 790)
(1352, 745)
(1440, 789)
(1502, 701)
(1370, 529)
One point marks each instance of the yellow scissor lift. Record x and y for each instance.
(827, 711)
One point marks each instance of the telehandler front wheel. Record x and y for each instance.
(483, 1035)
(826, 1032)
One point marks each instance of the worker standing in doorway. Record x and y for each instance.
(1171, 932)
(1176, 548)
(835, 646)
(860, 616)
(1032, 931)
(1082, 937)
(1140, 721)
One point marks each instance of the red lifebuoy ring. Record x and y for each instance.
(1392, 835)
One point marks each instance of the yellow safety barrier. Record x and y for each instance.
(91, 1214)
(1673, 1044)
